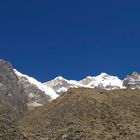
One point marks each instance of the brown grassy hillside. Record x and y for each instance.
(86, 114)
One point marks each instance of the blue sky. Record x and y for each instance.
(74, 38)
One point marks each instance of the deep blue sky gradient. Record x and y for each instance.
(47, 38)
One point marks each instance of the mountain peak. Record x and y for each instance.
(135, 75)
(103, 74)
(59, 78)
(89, 77)
(132, 81)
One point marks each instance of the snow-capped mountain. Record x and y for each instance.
(105, 81)
(37, 94)
(132, 81)
(40, 93)
(60, 85)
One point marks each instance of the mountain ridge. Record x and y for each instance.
(104, 81)
(41, 93)
(59, 85)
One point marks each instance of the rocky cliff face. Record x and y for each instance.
(35, 97)
(132, 81)
(11, 90)
(13, 102)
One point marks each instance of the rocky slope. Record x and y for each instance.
(86, 114)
